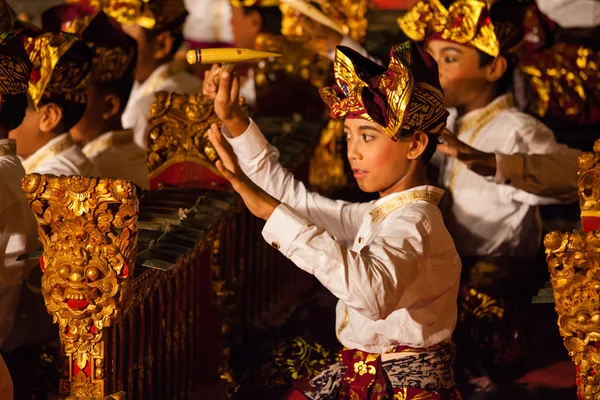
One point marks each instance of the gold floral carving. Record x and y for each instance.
(327, 164)
(589, 182)
(88, 229)
(177, 131)
(574, 264)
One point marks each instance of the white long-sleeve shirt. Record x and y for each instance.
(18, 235)
(487, 218)
(391, 262)
(115, 155)
(167, 77)
(60, 157)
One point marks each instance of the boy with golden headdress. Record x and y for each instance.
(100, 132)
(391, 262)
(17, 227)
(58, 95)
(156, 26)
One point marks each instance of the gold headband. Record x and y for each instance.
(49, 75)
(464, 22)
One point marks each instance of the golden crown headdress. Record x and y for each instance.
(150, 14)
(464, 22)
(61, 66)
(405, 96)
(114, 51)
(15, 66)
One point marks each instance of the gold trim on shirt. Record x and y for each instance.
(8, 147)
(383, 211)
(36, 159)
(108, 140)
(485, 115)
(403, 199)
(476, 123)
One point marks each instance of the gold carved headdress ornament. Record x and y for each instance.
(257, 3)
(15, 66)
(114, 50)
(157, 15)
(349, 16)
(406, 96)
(7, 17)
(464, 22)
(61, 66)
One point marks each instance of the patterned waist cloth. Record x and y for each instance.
(403, 373)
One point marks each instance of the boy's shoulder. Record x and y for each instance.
(521, 123)
(418, 214)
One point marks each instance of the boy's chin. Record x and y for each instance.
(366, 187)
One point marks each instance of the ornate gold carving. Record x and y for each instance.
(177, 131)
(589, 182)
(327, 164)
(88, 228)
(574, 264)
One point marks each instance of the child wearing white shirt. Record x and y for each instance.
(391, 262)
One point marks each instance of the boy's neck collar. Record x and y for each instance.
(415, 177)
(483, 115)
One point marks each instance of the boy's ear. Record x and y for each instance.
(256, 21)
(496, 69)
(51, 117)
(113, 106)
(418, 145)
(164, 43)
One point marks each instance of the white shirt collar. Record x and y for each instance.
(54, 147)
(106, 141)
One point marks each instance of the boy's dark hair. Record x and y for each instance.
(505, 82)
(430, 149)
(431, 146)
(271, 18)
(121, 88)
(12, 110)
(72, 112)
(151, 34)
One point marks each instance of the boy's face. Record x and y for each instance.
(29, 133)
(461, 76)
(245, 27)
(378, 163)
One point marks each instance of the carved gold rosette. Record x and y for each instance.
(88, 228)
(177, 131)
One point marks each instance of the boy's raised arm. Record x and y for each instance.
(258, 160)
